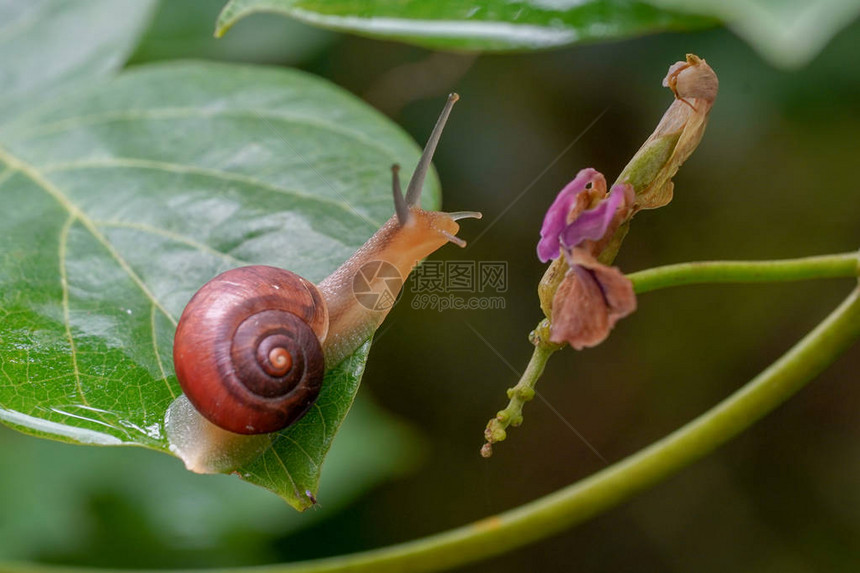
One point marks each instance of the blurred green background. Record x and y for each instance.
(775, 176)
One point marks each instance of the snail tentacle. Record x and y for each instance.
(416, 184)
(401, 209)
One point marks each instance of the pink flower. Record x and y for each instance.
(592, 297)
(570, 202)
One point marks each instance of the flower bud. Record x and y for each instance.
(677, 135)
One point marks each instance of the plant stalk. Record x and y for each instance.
(821, 267)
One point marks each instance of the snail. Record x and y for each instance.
(253, 344)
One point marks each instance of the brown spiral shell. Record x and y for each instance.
(248, 351)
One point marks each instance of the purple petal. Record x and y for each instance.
(592, 224)
(555, 219)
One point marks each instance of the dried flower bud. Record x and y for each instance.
(590, 300)
(677, 135)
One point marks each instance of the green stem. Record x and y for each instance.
(523, 392)
(827, 266)
(578, 502)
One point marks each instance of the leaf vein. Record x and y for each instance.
(189, 113)
(322, 419)
(133, 163)
(67, 323)
(299, 446)
(286, 471)
(177, 237)
(152, 314)
(36, 176)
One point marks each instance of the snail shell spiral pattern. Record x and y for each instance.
(248, 351)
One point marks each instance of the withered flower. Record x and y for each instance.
(679, 132)
(584, 223)
(590, 300)
(592, 297)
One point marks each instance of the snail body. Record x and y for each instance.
(253, 344)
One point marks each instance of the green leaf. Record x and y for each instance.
(788, 33)
(120, 202)
(498, 25)
(35, 60)
(184, 30)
